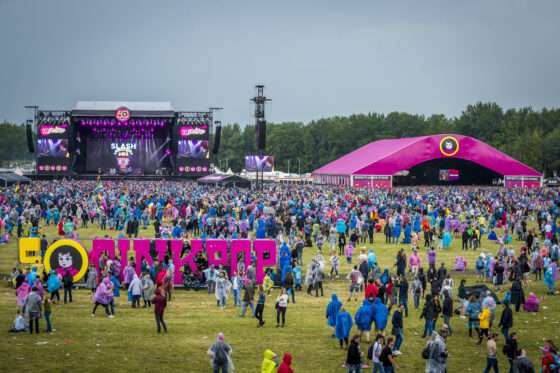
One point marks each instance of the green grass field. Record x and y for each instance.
(129, 342)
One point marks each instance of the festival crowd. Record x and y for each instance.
(337, 224)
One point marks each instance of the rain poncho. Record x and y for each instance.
(332, 310)
(269, 362)
(53, 283)
(380, 314)
(343, 325)
(364, 316)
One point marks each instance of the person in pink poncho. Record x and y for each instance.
(103, 296)
(415, 262)
(22, 292)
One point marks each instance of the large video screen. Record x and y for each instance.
(448, 174)
(52, 147)
(259, 163)
(126, 156)
(192, 149)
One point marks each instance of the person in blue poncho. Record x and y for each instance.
(407, 234)
(371, 259)
(385, 276)
(364, 318)
(340, 227)
(53, 285)
(261, 229)
(332, 311)
(343, 326)
(32, 276)
(285, 265)
(380, 315)
(447, 240)
(549, 280)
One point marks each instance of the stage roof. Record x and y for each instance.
(139, 108)
(388, 157)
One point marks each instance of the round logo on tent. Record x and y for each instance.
(122, 114)
(449, 146)
(66, 256)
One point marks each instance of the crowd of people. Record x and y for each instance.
(335, 222)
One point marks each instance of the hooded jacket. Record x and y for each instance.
(332, 310)
(268, 363)
(53, 283)
(285, 367)
(364, 316)
(380, 314)
(343, 325)
(484, 317)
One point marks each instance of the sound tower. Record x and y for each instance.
(261, 135)
(217, 137)
(29, 133)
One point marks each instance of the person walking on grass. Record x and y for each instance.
(428, 314)
(135, 289)
(220, 354)
(103, 296)
(447, 310)
(332, 311)
(68, 281)
(355, 277)
(506, 320)
(260, 306)
(248, 297)
(286, 366)
(160, 303)
(398, 329)
(343, 326)
(281, 307)
(33, 308)
(374, 353)
(354, 356)
(387, 357)
(47, 310)
(491, 359)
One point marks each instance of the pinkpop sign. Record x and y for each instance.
(46, 130)
(218, 252)
(187, 131)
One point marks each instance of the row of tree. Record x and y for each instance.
(530, 136)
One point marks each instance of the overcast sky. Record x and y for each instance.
(316, 58)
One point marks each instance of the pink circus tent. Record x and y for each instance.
(383, 159)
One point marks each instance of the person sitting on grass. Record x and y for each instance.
(18, 325)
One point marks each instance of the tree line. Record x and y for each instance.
(533, 137)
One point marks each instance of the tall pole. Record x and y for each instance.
(260, 125)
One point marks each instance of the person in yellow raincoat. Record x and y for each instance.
(484, 317)
(267, 283)
(270, 362)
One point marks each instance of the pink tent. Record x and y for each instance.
(376, 163)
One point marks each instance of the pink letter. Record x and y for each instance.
(212, 248)
(176, 248)
(161, 248)
(142, 250)
(240, 246)
(262, 247)
(124, 246)
(100, 246)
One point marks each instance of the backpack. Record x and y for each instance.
(220, 355)
(426, 351)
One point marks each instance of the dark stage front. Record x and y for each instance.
(448, 171)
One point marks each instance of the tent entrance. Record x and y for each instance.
(448, 171)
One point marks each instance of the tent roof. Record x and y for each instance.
(11, 177)
(387, 157)
(131, 105)
(137, 108)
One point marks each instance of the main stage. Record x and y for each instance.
(123, 140)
